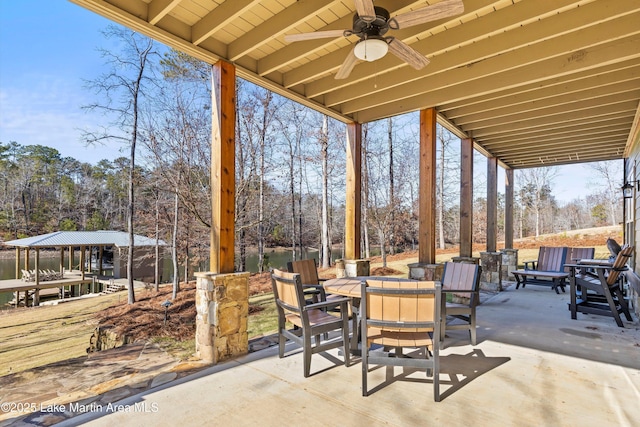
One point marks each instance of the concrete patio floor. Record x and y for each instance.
(533, 366)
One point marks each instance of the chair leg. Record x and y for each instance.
(281, 343)
(365, 369)
(346, 348)
(624, 308)
(306, 354)
(472, 326)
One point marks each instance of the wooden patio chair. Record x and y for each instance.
(548, 270)
(312, 320)
(576, 254)
(398, 315)
(598, 290)
(311, 282)
(462, 282)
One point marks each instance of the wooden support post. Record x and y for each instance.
(508, 209)
(71, 256)
(492, 204)
(17, 262)
(82, 269)
(223, 171)
(466, 197)
(36, 294)
(427, 188)
(26, 259)
(100, 255)
(353, 208)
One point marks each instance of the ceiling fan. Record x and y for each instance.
(371, 23)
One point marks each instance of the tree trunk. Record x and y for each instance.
(156, 279)
(440, 193)
(365, 193)
(326, 249)
(392, 235)
(174, 248)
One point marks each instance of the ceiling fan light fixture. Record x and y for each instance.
(371, 49)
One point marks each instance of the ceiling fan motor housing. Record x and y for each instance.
(366, 26)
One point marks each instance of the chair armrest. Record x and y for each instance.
(325, 304)
(533, 265)
(460, 291)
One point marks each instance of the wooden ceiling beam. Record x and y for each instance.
(484, 101)
(616, 97)
(277, 25)
(463, 35)
(218, 18)
(470, 84)
(556, 35)
(544, 94)
(554, 122)
(593, 126)
(158, 9)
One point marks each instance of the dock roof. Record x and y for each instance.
(83, 238)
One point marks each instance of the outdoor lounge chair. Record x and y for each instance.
(598, 288)
(462, 281)
(398, 315)
(548, 270)
(312, 320)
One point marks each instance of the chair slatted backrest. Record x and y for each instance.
(401, 305)
(551, 258)
(620, 264)
(461, 276)
(287, 289)
(307, 269)
(575, 254)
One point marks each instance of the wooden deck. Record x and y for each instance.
(71, 278)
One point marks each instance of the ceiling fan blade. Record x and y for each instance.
(347, 66)
(365, 9)
(444, 9)
(314, 35)
(408, 54)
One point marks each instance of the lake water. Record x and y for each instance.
(275, 259)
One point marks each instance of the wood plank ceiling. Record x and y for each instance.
(533, 82)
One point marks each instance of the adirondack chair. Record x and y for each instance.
(598, 290)
(548, 270)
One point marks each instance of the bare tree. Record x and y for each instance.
(122, 91)
(610, 185)
(535, 191)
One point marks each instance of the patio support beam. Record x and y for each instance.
(223, 90)
(508, 209)
(466, 196)
(427, 187)
(492, 204)
(353, 208)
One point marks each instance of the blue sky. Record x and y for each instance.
(47, 48)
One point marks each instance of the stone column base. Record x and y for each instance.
(509, 263)
(222, 312)
(491, 277)
(352, 267)
(424, 271)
